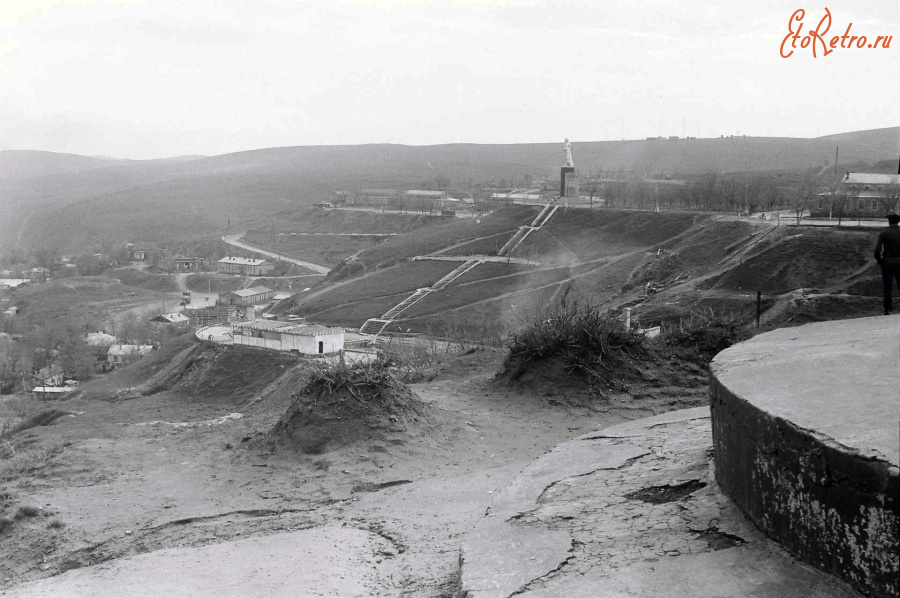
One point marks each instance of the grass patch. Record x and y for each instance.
(27, 511)
(144, 280)
(44, 418)
(325, 250)
(17, 461)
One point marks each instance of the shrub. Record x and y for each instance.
(27, 511)
(707, 333)
(586, 339)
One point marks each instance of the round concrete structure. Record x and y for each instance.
(806, 431)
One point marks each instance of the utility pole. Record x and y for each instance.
(834, 185)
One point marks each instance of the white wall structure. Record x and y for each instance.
(286, 336)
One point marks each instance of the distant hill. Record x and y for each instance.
(19, 164)
(71, 199)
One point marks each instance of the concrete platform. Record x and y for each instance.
(806, 427)
(325, 561)
(632, 510)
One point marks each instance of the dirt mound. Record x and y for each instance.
(807, 259)
(356, 404)
(195, 372)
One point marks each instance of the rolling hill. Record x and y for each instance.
(73, 199)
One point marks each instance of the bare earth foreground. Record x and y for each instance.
(167, 495)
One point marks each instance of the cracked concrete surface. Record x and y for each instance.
(571, 524)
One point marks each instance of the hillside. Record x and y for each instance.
(174, 199)
(668, 267)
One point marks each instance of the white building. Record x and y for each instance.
(251, 296)
(287, 336)
(121, 354)
(246, 266)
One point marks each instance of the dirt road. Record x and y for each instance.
(235, 240)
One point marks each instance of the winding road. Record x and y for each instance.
(235, 240)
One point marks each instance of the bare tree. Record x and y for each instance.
(890, 197)
(804, 194)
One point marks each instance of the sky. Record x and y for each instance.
(149, 79)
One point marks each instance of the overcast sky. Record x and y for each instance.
(156, 78)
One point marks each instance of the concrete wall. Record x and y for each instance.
(825, 503)
(331, 343)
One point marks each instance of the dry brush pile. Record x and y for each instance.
(342, 404)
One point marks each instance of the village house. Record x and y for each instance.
(38, 274)
(125, 354)
(251, 296)
(52, 392)
(859, 195)
(287, 336)
(12, 283)
(189, 264)
(138, 254)
(246, 266)
(176, 319)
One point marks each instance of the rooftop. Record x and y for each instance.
(242, 261)
(174, 318)
(288, 327)
(424, 192)
(251, 291)
(871, 178)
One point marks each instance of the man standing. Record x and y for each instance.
(887, 254)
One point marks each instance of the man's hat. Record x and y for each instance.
(892, 214)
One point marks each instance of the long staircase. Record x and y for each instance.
(376, 326)
(540, 220)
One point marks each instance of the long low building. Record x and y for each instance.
(286, 336)
(245, 265)
(251, 296)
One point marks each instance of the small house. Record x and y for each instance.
(176, 319)
(124, 354)
(52, 392)
(189, 264)
(39, 274)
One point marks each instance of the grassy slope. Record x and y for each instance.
(80, 300)
(144, 280)
(598, 255)
(280, 234)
